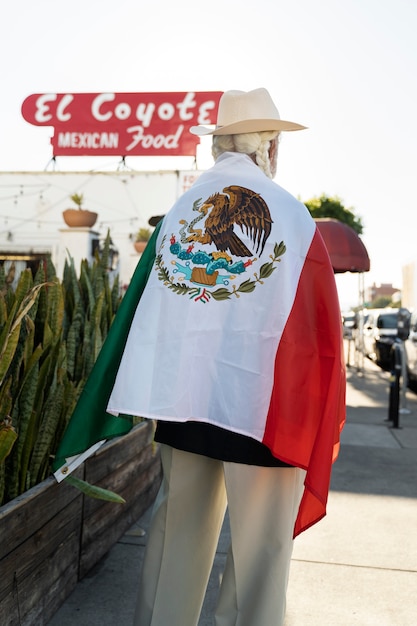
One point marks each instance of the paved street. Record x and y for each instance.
(358, 566)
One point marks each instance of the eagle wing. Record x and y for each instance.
(248, 210)
(219, 226)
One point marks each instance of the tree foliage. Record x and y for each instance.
(381, 302)
(326, 206)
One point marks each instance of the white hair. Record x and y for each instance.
(256, 145)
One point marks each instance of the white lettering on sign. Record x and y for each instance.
(42, 110)
(51, 108)
(154, 141)
(97, 102)
(185, 104)
(122, 111)
(144, 112)
(88, 140)
(60, 110)
(166, 111)
(204, 110)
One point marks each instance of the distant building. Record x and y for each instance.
(409, 291)
(385, 290)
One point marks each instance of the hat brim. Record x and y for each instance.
(247, 126)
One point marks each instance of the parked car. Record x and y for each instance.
(379, 332)
(410, 347)
(349, 321)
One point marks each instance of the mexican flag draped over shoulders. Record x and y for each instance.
(250, 342)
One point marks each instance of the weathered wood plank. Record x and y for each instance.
(98, 538)
(29, 556)
(131, 471)
(28, 511)
(107, 513)
(117, 452)
(35, 598)
(52, 535)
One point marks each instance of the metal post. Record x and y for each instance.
(404, 380)
(394, 396)
(359, 344)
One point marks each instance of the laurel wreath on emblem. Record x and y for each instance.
(222, 293)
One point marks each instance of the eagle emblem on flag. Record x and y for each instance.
(235, 205)
(224, 213)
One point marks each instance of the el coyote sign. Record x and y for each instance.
(136, 124)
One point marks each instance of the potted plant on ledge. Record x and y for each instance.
(142, 238)
(79, 217)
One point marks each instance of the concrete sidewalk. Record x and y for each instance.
(358, 566)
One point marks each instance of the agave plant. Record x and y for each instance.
(51, 332)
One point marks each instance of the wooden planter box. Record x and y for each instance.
(52, 535)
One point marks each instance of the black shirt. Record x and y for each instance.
(216, 443)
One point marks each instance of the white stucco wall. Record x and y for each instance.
(31, 206)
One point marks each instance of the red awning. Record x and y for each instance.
(346, 250)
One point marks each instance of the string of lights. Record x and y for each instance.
(32, 203)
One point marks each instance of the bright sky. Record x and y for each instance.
(347, 69)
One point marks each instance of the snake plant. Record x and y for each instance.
(51, 332)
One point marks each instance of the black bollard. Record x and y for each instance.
(394, 395)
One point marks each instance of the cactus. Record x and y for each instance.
(51, 332)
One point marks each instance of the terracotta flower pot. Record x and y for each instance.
(79, 218)
(140, 246)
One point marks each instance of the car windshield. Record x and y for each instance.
(387, 320)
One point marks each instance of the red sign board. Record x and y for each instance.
(123, 124)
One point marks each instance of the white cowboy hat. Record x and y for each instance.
(246, 112)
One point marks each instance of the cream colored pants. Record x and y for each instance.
(187, 519)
